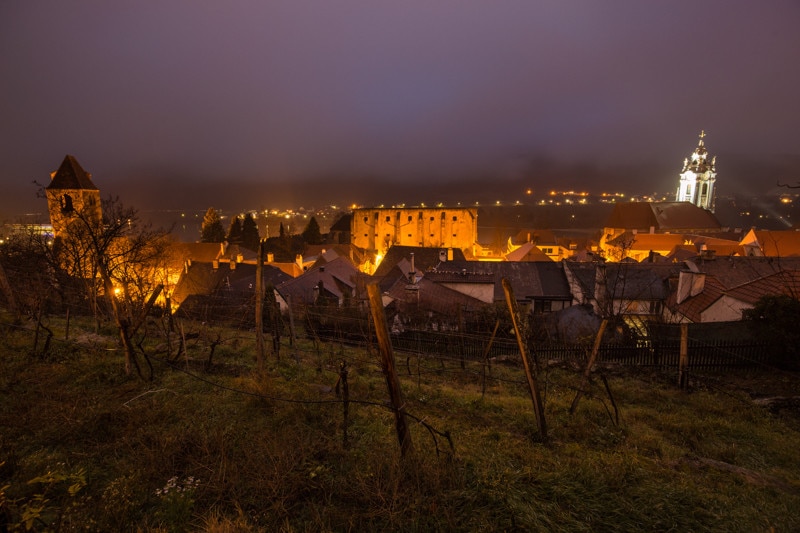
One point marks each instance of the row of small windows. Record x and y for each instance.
(411, 218)
(388, 235)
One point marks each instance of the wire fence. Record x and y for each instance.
(473, 342)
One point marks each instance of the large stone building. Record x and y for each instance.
(378, 229)
(698, 178)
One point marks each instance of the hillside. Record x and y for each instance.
(224, 448)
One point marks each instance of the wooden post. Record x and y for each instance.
(486, 356)
(66, 327)
(586, 373)
(387, 362)
(683, 363)
(461, 345)
(260, 355)
(345, 398)
(291, 319)
(538, 408)
(183, 345)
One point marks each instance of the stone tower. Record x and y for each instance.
(71, 196)
(698, 178)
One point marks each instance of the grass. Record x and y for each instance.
(233, 450)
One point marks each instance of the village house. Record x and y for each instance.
(765, 243)
(629, 219)
(221, 290)
(337, 282)
(636, 292)
(643, 246)
(720, 289)
(538, 245)
(539, 285)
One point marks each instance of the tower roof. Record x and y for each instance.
(697, 161)
(70, 175)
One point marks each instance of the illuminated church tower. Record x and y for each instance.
(71, 194)
(698, 177)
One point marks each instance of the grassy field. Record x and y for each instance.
(84, 447)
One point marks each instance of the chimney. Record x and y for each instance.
(270, 257)
(449, 254)
(412, 276)
(299, 260)
(652, 230)
(691, 282)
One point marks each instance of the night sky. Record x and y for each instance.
(250, 104)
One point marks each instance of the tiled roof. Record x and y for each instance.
(662, 216)
(424, 258)
(735, 271)
(343, 224)
(626, 281)
(205, 279)
(781, 283)
(533, 279)
(528, 252)
(70, 175)
(338, 277)
(786, 282)
(204, 252)
(779, 243)
(430, 296)
(692, 308)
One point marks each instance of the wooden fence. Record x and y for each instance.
(661, 354)
(717, 355)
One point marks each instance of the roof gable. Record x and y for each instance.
(70, 175)
(661, 216)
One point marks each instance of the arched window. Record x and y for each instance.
(66, 204)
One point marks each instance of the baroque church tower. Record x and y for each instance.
(71, 194)
(698, 178)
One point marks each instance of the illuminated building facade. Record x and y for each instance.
(698, 177)
(71, 193)
(378, 229)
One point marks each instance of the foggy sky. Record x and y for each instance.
(318, 102)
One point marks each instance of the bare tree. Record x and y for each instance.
(118, 258)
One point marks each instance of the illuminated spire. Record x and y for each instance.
(698, 177)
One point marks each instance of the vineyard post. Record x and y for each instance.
(683, 362)
(345, 398)
(260, 350)
(291, 319)
(532, 385)
(592, 359)
(486, 357)
(387, 360)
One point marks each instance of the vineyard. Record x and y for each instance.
(205, 440)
